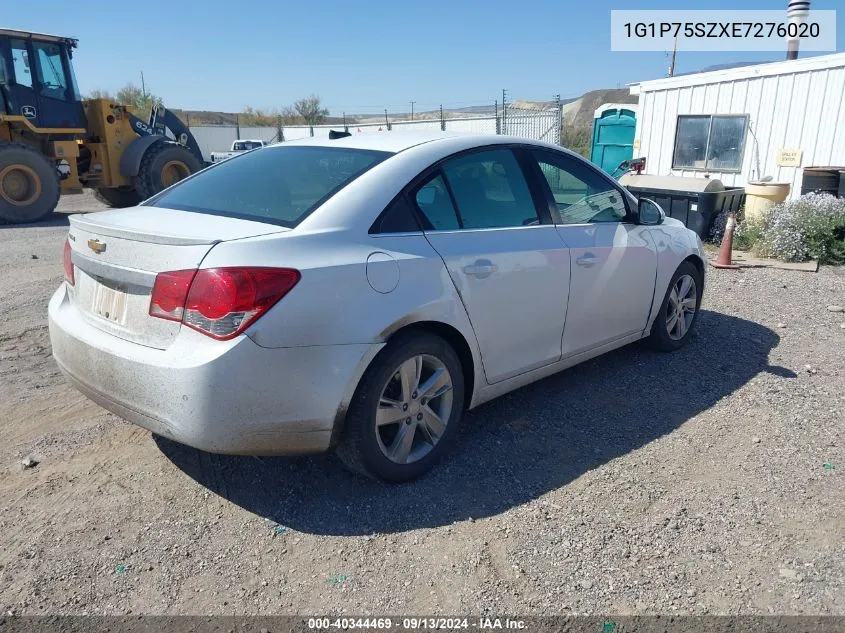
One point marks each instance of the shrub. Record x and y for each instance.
(717, 228)
(747, 233)
(812, 226)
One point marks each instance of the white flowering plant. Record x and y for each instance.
(810, 227)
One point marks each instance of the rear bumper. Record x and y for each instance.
(230, 397)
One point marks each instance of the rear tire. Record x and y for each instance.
(164, 164)
(678, 313)
(29, 184)
(118, 197)
(376, 422)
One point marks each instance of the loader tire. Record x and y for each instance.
(164, 164)
(29, 184)
(118, 197)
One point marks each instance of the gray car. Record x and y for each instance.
(362, 293)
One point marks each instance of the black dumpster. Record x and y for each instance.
(694, 201)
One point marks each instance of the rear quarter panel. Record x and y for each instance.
(334, 303)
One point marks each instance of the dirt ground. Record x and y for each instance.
(705, 481)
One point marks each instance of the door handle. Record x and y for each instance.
(586, 260)
(482, 268)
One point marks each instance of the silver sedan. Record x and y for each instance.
(361, 293)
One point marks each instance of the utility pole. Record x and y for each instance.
(674, 55)
(386, 120)
(496, 111)
(143, 86)
(559, 107)
(412, 109)
(504, 111)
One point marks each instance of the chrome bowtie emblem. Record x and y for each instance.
(97, 246)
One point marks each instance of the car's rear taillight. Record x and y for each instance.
(220, 302)
(68, 263)
(169, 294)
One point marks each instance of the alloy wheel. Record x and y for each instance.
(680, 310)
(414, 408)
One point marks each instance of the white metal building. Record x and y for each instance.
(742, 124)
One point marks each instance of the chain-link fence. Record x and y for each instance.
(541, 123)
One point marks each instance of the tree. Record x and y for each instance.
(311, 110)
(132, 95)
(270, 118)
(289, 116)
(98, 93)
(256, 117)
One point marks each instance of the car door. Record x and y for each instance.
(503, 254)
(614, 262)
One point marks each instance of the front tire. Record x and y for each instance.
(29, 184)
(164, 164)
(679, 311)
(406, 410)
(118, 197)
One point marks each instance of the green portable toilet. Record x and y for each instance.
(614, 127)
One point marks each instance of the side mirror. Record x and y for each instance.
(649, 212)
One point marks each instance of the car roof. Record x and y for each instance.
(394, 141)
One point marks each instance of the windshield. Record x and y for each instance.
(280, 185)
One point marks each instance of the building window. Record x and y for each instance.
(710, 143)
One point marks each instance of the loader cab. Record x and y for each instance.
(37, 79)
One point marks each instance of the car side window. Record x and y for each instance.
(435, 205)
(490, 190)
(581, 195)
(396, 218)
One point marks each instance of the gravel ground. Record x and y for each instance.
(705, 481)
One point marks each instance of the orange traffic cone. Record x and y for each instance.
(724, 258)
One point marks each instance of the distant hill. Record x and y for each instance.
(579, 113)
(210, 117)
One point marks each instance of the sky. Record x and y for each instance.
(363, 57)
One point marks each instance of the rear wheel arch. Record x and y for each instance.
(449, 334)
(456, 340)
(360, 441)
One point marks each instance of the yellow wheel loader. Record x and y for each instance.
(52, 142)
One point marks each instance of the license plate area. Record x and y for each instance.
(109, 301)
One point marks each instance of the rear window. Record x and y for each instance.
(280, 185)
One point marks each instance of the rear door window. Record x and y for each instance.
(490, 190)
(280, 185)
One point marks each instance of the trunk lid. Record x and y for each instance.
(117, 255)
